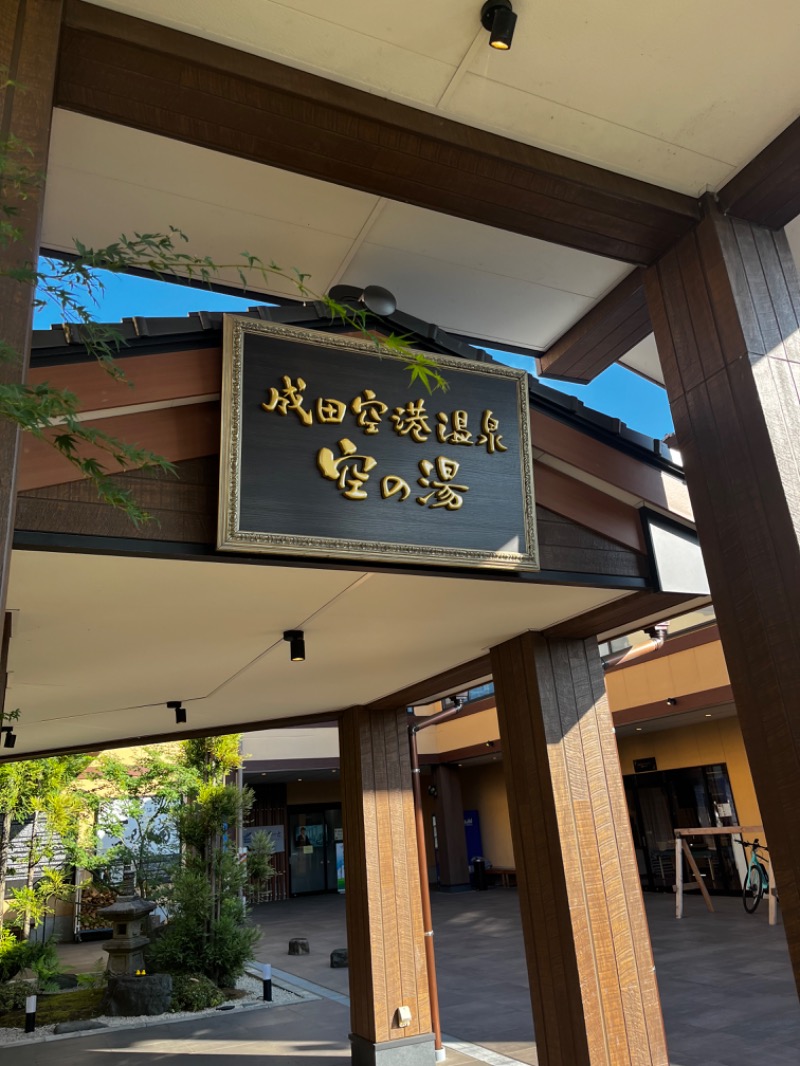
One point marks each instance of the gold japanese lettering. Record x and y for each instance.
(412, 421)
(489, 435)
(392, 484)
(368, 411)
(349, 471)
(445, 494)
(453, 430)
(330, 412)
(289, 399)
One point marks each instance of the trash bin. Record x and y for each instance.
(479, 873)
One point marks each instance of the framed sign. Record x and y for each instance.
(330, 450)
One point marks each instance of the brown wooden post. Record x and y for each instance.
(384, 915)
(29, 32)
(590, 965)
(725, 305)
(452, 842)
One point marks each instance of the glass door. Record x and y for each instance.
(307, 852)
(313, 836)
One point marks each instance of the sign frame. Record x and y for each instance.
(231, 537)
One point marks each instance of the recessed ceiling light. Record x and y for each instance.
(638, 729)
(299, 779)
(263, 773)
(708, 715)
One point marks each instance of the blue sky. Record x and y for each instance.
(617, 392)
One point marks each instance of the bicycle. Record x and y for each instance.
(756, 878)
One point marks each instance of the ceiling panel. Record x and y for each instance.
(99, 644)
(500, 310)
(104, 180)
(673, 93)
(446, 240)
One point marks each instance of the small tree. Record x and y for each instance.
(207, 931)
(134, 804)
(260, 867)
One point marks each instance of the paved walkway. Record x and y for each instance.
(725, 980)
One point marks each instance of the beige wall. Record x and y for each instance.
(699, 745)
(679, 674)
(483, 788)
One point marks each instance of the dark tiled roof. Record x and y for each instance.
(142, 335)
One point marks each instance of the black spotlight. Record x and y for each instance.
(497, 16)
(180, 711)
(297, 645)
(11, 736)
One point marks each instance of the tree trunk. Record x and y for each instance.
(26, 923)
(5, 849)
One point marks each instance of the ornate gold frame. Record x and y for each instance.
(231, 538)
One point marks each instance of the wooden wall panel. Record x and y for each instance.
(148, 378)
(183, 508)
(767, 191)
(726, 313)
(177, 433)
(593, 988)
(384, 916)
(29, 37)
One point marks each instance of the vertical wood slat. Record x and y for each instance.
(593, 988)
(384, 918)
(29, 36)
(738, 428)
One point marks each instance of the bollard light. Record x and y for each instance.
(30, 1014)
(266, 976)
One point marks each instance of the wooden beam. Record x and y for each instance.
(593, 987)
(29, 31)
(725, 305)
(384, 913)
(163, 81)
(626, 614)
(767, 190)
(613, 326)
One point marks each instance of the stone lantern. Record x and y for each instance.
(126, 917)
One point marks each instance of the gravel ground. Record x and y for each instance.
(252, 1000)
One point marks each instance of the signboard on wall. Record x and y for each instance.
(329, 449)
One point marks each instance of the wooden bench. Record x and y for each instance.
(505, 873)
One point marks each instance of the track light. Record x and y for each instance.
(671, 701)
(11, 736)
(297, 645)
(179, 709)
(497, 16)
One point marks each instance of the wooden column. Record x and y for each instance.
(29, 33)
(384, 915)
(590, 965)
(725, 305)
(452, 843)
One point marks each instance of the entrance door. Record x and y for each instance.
(313, 836)
(687, 798)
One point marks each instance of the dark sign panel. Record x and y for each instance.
(329, 449)
(644, 766)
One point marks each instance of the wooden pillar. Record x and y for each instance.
(590, 965)
(29, 32)
(384, 914)
(725, 306)
(452, 842)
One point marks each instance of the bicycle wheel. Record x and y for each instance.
(753, 889)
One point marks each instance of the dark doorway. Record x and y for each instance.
(689, 798)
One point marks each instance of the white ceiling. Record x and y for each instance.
(100, 643)
(676, 93)
(656, 91)
(105, 179)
